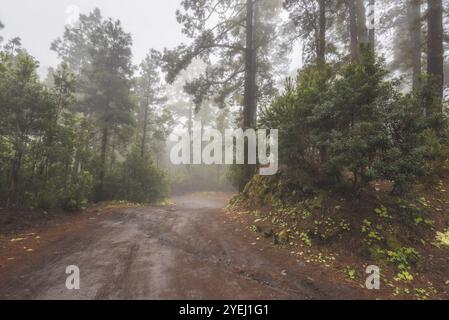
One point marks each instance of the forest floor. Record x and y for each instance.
(191, 249)
(406, 238)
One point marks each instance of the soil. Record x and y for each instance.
(192, 249)
(344, 234)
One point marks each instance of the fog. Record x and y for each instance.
(43, 21)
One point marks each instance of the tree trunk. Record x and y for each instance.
(103, 157)
(414, 20)
(362, 29)
(14, 179)
(321, 56)
(353, 30)
(372, 24)
(190, 129)
(144, 132)
(321, 48)
(249, 113)
(435, 55)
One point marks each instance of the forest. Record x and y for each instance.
(363, 125)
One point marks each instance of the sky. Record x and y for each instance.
(152, 23)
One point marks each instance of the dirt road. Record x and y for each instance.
(187, 251)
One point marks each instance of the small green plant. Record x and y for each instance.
(382, 212)
(443, 238)
(425, 293)
(366, 225)
(345, 226)
(305, 239)
(399, 291)
(403, 258)
(306, 214)
(375, 235)
(350, 273)
(424, 202)
(404, 276)
(371, 232)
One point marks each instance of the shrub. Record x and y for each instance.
(353, 126)
(77, 194)
(136, 180)
(70, 192)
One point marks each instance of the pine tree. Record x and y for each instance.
(238, 36)
(155, 120)
(2, 26)
(107, 89)
(74, 46)
(415, 30)
(435, 55)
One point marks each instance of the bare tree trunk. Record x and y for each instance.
(321, 56)
(144, 132)
(353, 30)
(249, 113)
(103, 157)
(372, 25)
(14, 179)
(362, 29)
(414, 20)
(321, 48)
(190, 129)
(435, 55)
(256, 44)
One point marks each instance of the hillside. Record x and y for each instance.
(407, 237)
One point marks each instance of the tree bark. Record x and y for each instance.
(103, 156)
(190, 130)
(249, 113)
(144, 132)
(321, 47)
(435, 55)
(414, 21)
(353, 30)
(372, 24)
(14, 178)
(362, 30)
(321, 56)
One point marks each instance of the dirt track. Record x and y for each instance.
(187, 251)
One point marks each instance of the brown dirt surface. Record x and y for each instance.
(344, 234)
(189, 250)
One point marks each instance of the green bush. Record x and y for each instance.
(72, 193)
(77, 194)
(352, 126)
(136, 180)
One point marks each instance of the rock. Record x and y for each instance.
(268, 233)
(308, 191)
